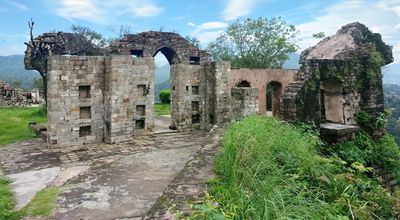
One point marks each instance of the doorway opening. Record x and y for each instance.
(162, 91)
(273, 98)
(331, 102)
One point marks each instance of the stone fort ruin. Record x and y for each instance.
(107, 95)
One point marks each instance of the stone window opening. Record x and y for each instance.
(195, 90)
(194, 60)
(140, 124)
(85, 112)
(187, 88)
(85, 131)
(143, 90)
(140, 110)
(243, 83)
(195, 106)
(196, 119)
(84, 91)
(136, 53)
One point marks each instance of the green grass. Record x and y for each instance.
(7, 202)
(43, 204)
(269, 169)
(14, 123)
(162, 109)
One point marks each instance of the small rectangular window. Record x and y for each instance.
(142, 90)
(85, 131)
(187, 88)
(139, 124)
(140, 110)
(195, 90)
(85, 112)
(84, 91)
(137, 53)
(196, 119)
(194, 60)
(195, 106)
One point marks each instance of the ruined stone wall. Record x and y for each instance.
(220, 97)
(10, 96)
(260, 78)
(128, 97)
(244, 101)
(75, 100)
(188, 96)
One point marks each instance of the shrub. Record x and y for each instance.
(165, 96)
(269, 169)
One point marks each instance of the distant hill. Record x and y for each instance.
(12, 69)
(391, 73)
(162, 73)
(293, 62)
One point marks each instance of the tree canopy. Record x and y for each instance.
(260, 43)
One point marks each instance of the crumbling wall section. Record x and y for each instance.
(75, 100)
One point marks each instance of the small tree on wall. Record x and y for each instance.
(165, 96)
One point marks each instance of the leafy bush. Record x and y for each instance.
(272, 170)
(165, 96)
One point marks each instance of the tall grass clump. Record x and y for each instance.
(269, 169)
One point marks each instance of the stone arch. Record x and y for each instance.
(243, 83)
(169, 53)
(273, 94)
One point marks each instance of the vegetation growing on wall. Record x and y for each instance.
(269, 169)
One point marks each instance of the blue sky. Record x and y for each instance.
(204, 19)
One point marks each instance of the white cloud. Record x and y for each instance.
(147, 11)
(208, 31)
(237, 8)
(212, 25)
(191, 24)
(381, 17)
(79, 9)
(17, 5)
(104, 11)
(208, 36)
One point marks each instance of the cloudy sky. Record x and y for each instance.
(204, 19)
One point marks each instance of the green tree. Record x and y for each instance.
(165, 96)
(319, 35)
(193, 40)
(92, 36)
(259, 43)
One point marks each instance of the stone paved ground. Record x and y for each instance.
(123, 180)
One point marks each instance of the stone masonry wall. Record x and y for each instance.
(260, 78)
(129, 97)
(75, 100)
(244, 101)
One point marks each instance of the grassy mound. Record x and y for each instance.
(273, 170)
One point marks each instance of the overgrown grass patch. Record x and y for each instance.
(269, 169)
(162, 109)
(7, 202)
(43, 204)
(14, 122)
